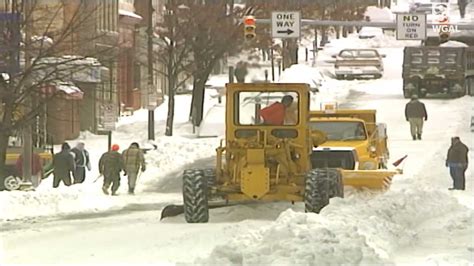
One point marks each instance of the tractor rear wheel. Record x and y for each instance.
(196, 208)
(321, 185)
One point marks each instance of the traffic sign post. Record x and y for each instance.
(286, 24)
(411, 26)
(109, 117)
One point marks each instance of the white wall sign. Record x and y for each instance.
(411, 26)
(286, 24)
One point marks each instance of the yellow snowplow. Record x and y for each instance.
(355, 143)
(271, 153)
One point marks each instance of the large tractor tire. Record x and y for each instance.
(321, 185)
(195, 194)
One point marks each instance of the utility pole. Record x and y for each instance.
(27, 137)
(151, 88)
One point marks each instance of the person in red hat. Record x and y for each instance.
(110, 165)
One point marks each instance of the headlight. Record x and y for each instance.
(295, 156)
(372, 149)
(369, 165)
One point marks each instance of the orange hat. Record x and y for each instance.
(115, 147)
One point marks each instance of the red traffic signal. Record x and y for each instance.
(249, 20)
(249, 28)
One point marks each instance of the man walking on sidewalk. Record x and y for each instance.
(110, 165)
(81, 158)
(457, 162)
(415, 113)
(134, 161)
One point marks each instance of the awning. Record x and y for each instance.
(69, 90)
(134, 18)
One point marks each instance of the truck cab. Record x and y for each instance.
(354, 140)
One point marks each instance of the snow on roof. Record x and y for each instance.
(69, 59)
(127, 13)
(70, 89)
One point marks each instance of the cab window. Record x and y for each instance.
(276, 108)
(341, 130)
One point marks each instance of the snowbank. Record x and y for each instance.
(348, 231)
(377, 14)
(173, 154)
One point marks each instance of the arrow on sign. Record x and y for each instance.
(287, 31)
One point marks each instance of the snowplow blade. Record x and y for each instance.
(372, 179)
(175, 210)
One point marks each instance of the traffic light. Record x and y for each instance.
(249, 28)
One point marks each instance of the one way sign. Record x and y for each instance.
(286, 24)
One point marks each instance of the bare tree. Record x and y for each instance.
(44, 34)
(214, 30)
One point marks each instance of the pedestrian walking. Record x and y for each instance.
(462, 7)
(36, 169)
(134, 161)
(63, 163)
(81, 159)
(240, 72)
(457, 162)
(415, 113)
(110, 165)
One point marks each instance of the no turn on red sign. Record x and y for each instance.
(286, 24)
(411, 26)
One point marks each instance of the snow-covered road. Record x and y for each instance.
(417, 222)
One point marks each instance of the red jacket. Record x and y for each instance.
(273, 114)
(36, 166)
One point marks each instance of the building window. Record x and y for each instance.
(107, 15)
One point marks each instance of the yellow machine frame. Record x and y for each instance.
(243, 171)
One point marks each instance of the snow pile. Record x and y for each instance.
(49, 201)
(348, 231)
(300, 73)
(377, 14)
(173, 155)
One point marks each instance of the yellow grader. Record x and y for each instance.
(262, 161)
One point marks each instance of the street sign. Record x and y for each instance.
(109, 116)
(152, 98)
(411, 26)
(286, 24)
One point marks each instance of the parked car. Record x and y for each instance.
(358, 62)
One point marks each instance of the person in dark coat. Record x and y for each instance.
(462, 7)
(110, 165)
(81, 158)
(240, 72)
(134, 161)
(415, 113)
(63, 163)
(457, 162)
